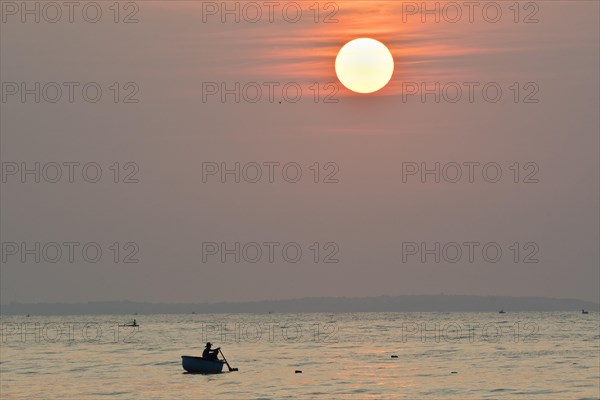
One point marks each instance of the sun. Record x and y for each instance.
(364, 65)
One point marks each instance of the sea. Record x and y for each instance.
(515, 355)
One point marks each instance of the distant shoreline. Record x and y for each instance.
(416, 303)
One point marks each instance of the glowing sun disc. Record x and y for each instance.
(364, 65)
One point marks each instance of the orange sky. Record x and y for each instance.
(171, 131)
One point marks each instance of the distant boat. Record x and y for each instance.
(199, 365)
(134, 323)
(501, 312)
(27, 315)
(584, 312)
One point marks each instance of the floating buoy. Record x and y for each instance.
(394, 356)
(297, 371)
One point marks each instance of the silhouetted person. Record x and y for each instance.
(210, 354)
(134, 323)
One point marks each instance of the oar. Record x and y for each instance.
(228, 366)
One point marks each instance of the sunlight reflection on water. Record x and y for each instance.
(440, 355)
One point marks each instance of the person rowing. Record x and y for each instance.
(133, 324)
(210, 354)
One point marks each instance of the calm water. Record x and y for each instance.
(342, 356)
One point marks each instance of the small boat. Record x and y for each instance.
(501, 312)
(584, 312)
(199, 365)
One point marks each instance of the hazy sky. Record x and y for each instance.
(377, 222)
